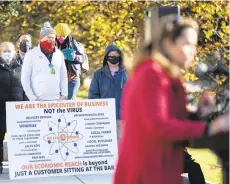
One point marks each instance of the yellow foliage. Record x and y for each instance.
(97, 24)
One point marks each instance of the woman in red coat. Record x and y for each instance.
(154, 110)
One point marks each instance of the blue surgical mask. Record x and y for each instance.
(7, 56)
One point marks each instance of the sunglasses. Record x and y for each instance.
(52, 70)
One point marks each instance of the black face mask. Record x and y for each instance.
(113, 59)
(24, 46)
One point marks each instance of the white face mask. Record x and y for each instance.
(7, 56)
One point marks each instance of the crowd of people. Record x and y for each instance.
(150, 102)
(51, 71)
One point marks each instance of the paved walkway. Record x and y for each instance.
(77, 179)
(86, 179)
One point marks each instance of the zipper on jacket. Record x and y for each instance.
(122, 78)
(11, 72)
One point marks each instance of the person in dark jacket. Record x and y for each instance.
(24, 44)
(76, 59)
(10, 86)
(195, 174)
(109, 81)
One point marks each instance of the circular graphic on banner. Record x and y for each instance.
(63, 137)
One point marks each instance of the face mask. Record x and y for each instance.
(7, 56)
(60, 40)
(24, 46)
(47, 46)
(113, 59)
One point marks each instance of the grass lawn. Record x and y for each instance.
(209, 164)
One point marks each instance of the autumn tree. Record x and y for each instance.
(98, 23)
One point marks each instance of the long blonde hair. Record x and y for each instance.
(170, 27)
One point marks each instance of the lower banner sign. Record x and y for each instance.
(61, 138)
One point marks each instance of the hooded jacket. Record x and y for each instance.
(104, 85)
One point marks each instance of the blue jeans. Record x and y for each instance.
(73, 86)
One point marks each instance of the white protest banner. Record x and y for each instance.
(61, 138)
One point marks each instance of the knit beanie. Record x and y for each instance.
(62, 29)
(46, 30)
